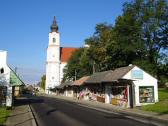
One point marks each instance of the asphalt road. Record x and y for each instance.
(55, 112)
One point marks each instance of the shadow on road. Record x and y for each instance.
(50, 111)
(26, 99)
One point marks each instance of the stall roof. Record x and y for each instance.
(117, 74)
(109, 76)
(65, 84)
(97, 77)
(81, 81)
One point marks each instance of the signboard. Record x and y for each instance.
(137, 74)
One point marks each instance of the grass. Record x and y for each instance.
(162, 106)
(4, 113)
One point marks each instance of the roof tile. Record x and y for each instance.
(66, 53)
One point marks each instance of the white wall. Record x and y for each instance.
(147, 80)
(63, 64)
(54, 35)
(5, 77)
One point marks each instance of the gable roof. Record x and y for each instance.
(66, 53)
(65, 84)
(80, 81)
(97, 77)
(109, 76)
(15, 79)
(117, 74)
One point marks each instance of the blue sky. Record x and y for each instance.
(25, 24)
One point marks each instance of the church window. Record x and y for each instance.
(2, 70)
(54, 40)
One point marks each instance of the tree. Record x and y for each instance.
(163, 74)
(139, 36)
(43, 81)
(71, 71)
(152, 18)
(97, 51)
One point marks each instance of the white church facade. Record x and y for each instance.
(57, 58)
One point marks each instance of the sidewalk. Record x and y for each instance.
(136, 114)
(21, 114)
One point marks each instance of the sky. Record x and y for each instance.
(25, 25)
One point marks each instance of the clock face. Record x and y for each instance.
(54, 40)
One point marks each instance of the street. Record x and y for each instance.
(55, 112)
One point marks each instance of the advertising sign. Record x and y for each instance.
(137, 74)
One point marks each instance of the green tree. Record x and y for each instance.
(73, 66)
(78, 66)
(139, 36)
(97, 52)
(43, 81)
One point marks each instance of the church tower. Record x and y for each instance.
(53, 58)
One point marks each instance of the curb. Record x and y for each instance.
(34, 121)
(147, 119)
(137, 117)
(29, 117)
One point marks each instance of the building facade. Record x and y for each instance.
(4, 69)
(57, 58)
(125, 87)
(9, 81)
(53, 58)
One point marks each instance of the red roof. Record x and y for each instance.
(66, 53)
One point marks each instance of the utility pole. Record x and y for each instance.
(16, 70)
(94, 69)
(75, 74)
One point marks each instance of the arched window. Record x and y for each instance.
(2, 70)
(54, 40)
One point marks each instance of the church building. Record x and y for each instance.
(57, 58)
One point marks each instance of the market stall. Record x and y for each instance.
(119, 96)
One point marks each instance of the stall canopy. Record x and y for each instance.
(81, 81)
